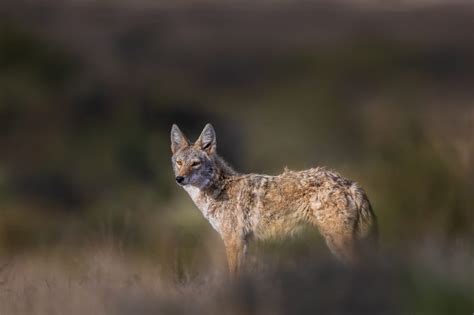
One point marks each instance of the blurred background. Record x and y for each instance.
(380, 91)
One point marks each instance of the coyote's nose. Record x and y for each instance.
(179, 179)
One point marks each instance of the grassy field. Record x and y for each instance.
(92, 222)
(105, 280)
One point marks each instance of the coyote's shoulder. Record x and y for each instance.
(241, 206)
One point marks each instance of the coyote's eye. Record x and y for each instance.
(196, 164)
(179, 163)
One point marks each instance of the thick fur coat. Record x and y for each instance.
(245, 206)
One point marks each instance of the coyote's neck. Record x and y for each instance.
(222, 175)
(224, 168)
(207, 200)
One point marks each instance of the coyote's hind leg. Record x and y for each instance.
(343, 247)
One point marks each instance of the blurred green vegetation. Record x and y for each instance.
(88, 95)
(84, 129)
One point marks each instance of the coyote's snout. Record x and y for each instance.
(242, 206)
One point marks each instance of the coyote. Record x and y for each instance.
(242, 206)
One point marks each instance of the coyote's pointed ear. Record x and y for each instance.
(178, 139)
(207, 139)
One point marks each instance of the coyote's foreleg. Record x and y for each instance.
(236, 250)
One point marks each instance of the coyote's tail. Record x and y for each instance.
(366, 225)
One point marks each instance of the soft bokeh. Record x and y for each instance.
(383, 93)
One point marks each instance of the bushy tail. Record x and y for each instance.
(366, 228)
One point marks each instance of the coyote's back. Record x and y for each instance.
(240, 206)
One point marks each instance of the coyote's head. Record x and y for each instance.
(194, 164)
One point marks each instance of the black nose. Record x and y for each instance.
(179, 179)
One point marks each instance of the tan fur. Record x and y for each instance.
(242, 206)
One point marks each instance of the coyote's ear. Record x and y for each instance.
(207, 139)
(178, 139)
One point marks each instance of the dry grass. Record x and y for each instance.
(104, 281)
(98, 281)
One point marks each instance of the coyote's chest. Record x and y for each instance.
(205, 205)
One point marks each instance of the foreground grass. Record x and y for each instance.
(103, 281)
